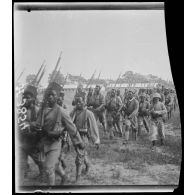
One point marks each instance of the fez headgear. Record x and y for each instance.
(56, 87)
(30, 89)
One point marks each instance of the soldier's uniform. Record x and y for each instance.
(131, 110)
(157, 112)
(53, 121)
(80, 93)
(143, 113)
(88, 129)
(113, 106)
(98, 108)
(169, 104)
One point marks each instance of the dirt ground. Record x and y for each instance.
(134, 164)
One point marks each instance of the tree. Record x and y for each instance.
(58, 77)
(30, 78)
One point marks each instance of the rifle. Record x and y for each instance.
(117, 80)
(43, 72)
(20, 75)
(55, 69)
(90, 79)
(56, 76)
(99, 76)
(35, 79)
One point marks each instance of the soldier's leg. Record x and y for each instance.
(154, 133)
(79, 162)
(119, 125)
(161, 132)
(35, 155)
(102, 120)
(51, 160)
(60, 168)
(127, 130)
(87, 164)
(140, 125)
(110, 125)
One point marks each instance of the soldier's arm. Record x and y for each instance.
(93, 128)
(120, 103)
(71, 128)
(102, 102)
(163, 109)
(136, 108)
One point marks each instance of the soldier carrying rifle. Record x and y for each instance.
(87, 126)
(130, 109)
(97, 106)
(51, 122)
(113, 107)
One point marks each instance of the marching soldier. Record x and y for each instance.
(79, 93)
(161, 94)
(52, 120)
(113, 107)
(118, 93)
(98, 107)
(61, 165)
(157, 111)
(28, 139)
(168, 103)
(87, 126)
(60, 100)
(143, 113)
(131, 110)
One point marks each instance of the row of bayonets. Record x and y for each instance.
(55, 74)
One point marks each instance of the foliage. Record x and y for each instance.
(58, 77)
(30, 78)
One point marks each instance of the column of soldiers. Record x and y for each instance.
(50, 127)
(127, 115)
(44, 132)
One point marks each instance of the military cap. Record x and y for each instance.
(30, 89)
(56, 87)
(156, 95)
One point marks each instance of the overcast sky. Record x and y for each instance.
(108, 41)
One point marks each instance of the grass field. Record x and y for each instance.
(134, 164)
